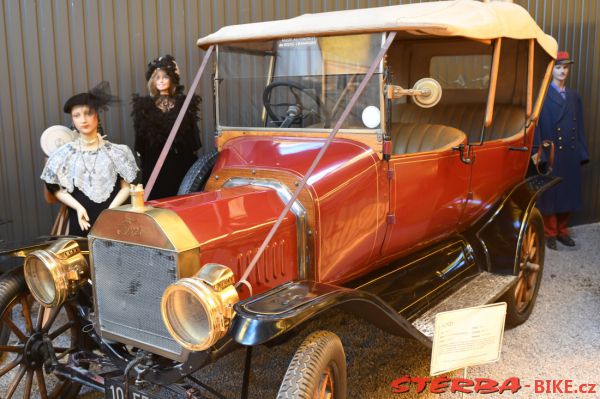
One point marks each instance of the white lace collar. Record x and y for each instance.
(93, 172)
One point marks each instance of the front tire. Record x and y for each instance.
(29, 323)
(317, 370)
(521, 298)
(4, 334)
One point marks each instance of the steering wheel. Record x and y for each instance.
(294, 112)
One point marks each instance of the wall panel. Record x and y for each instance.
(55, 48)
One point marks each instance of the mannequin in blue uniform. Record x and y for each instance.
(561, 121)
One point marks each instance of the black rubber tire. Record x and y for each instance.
(196, 177)
(6, 289)
(4, 333)
(320, 351)
(514, 315)
(12, 287)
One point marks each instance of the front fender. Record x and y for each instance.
(267, 316)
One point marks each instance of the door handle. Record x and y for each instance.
(469, 157)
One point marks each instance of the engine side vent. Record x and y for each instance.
(270, 267)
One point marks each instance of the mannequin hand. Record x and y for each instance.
(83, 218)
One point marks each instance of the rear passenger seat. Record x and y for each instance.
(508, 119)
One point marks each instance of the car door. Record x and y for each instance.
(428, 191)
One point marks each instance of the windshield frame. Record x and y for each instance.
(379, 131)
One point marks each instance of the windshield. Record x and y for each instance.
(302, 83)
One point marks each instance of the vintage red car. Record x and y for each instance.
(373, 160)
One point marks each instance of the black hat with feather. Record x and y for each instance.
(98, 98)
(165, 63)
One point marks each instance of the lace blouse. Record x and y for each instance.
(94, 173)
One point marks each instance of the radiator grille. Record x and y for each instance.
(129, 282)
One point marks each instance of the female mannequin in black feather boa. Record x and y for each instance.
(153, 118)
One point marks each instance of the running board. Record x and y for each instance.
(484, 289)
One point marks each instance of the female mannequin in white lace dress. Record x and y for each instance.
(89, 174)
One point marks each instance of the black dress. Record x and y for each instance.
(152, 127)
(92, 208)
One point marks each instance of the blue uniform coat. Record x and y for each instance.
(561, 121)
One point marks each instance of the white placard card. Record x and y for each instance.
(467, 337)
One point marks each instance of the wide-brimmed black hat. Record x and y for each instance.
(97, 98)
(166, 63)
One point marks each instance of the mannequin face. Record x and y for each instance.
(560, 72)
(162, 82)
(85, 120)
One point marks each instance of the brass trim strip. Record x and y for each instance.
(297, 209)
(371, 139)
(151, 227)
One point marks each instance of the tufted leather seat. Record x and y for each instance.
(508, 119)
(408, 138)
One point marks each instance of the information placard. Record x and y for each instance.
(467, 337)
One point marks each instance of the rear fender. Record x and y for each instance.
(264, 317)
(501, 234)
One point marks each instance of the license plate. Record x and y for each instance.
(116, 390)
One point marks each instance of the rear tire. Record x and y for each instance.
(520, 299)
(196, 177)
(317, 370)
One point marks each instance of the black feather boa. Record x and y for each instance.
(152, 126)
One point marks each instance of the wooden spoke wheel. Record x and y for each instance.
(326, 387)
(317, 370)
(36, 334)
(521, 298)
(529, 267)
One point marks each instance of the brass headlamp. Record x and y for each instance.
(197, 311)
(55, 273)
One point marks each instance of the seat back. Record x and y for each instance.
(408, 138)
(508, 119)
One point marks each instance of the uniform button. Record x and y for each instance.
(573, 147)
(560, 138)
(558, 129)
(560, 147)
(572, 137)
(574, 119)
(573, 129)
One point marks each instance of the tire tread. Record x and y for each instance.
(307, 364)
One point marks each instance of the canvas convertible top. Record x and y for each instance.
(466, 18)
